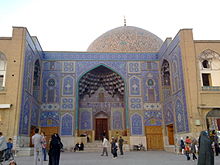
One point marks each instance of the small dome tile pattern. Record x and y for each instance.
(126, 39)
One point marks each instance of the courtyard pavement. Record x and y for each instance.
(130, 158)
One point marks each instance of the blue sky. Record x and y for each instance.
(71, 25)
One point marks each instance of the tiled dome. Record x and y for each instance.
(126, 39)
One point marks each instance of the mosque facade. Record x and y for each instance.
(128, 83)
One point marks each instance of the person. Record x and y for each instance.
(12, 162)
(3, 145)
(87, 137)
(114, 148)
(36, 140)
(116, 136)
(105, 146)
(76, 147)
(193, 149)
(60, 146)
(103, 135)
(216, 144)
(187, 147)
(81, 146)
(121, 141)
(182, 146)
(9, 145)
(44, 145)
(54, 151)
(206, 154)
(8, 152)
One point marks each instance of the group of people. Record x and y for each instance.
(115, 144)
(6, 149)
(205, 146)
(40, 145)
(79, 147)
(189, 146)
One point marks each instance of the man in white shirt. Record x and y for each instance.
(37, 141)
(105, 146)
(3, 144)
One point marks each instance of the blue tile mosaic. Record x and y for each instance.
(49, 119)
(152, 118)
(134, 86)
(67, 125)
(85, 120)
(117, 120)
(136, 124)
(88, 56)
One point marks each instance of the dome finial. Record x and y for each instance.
(124, 21)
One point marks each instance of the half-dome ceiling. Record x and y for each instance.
(126, 39)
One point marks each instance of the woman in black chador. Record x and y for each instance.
(206, 154)
(54, 152)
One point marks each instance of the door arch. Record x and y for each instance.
(100, 90)
(213, 119)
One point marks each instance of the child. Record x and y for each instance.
(12, 163)
(9, 145)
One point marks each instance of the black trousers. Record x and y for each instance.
(217, 150)
(194, 156)
(121, 149)
(187, 155)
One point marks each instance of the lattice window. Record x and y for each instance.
(165, 71)
(3, 64)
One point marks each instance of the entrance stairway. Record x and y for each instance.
(95, 146)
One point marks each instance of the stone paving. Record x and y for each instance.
(130, 158)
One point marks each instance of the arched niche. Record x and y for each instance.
(3, 65)
(101, 91)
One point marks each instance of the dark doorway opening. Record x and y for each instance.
(170, 131)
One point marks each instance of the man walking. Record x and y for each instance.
(37, 141)
(121, 141)
(105, 146)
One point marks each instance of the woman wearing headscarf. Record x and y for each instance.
(193, 148)
(54, 151)
(206, 154)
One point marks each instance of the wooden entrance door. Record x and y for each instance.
(218, 124)
(101, 126)
(48, 132)
(170, 131)
(154, 137)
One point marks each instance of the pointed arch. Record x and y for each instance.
(97, 67)
(208, 54)
(114, 88)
